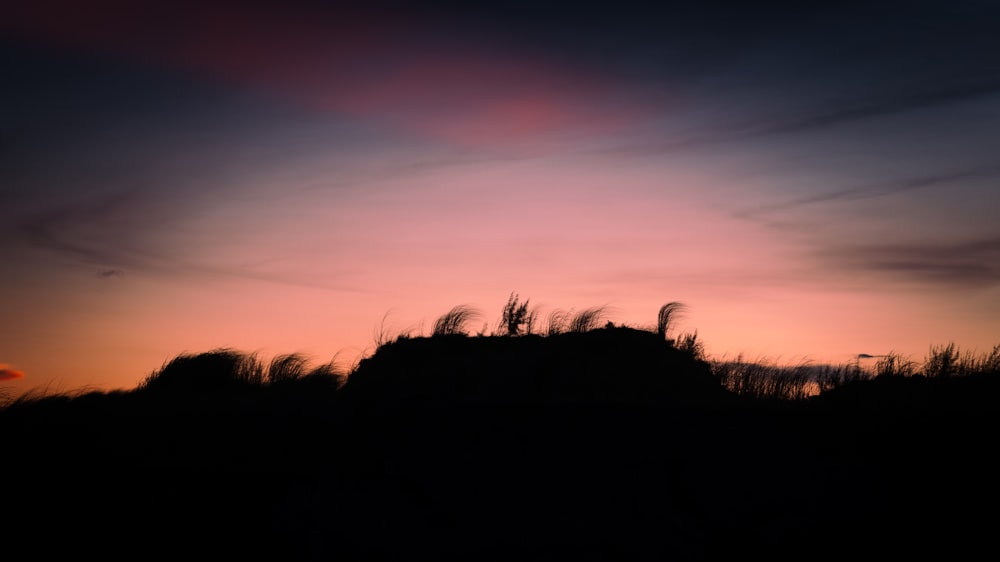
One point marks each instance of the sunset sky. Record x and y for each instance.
(814, 180)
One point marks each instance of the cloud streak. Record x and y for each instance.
(871, 191)
(138, 231)
(898, 102)
(804, 121)
(969, 264)
(9, 374)
(109, 231)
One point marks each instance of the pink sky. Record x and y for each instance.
(279, 180)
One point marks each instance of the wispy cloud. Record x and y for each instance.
(133, 231)
(969, 264)
(741, 128)
(896, 102)
(945, 259)
(871, 191)
(109, 231)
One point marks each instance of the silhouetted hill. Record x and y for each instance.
(610, 366)
(963, 395)
(608, 444)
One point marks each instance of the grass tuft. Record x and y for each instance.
(587, 319)
(455, 321)
(667, 315)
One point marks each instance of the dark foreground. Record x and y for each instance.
(483, 451)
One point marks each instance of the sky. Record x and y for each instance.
(813, 180)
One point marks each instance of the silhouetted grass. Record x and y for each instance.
(285, 368)
(226, 374)
(949, 361)
(689, 343)
(557, 321)
(894, 365)
(456, 321)
(667, 316)
(220, 370)
(515, 316)
(765, 380)
(587, 319)
(829, 377)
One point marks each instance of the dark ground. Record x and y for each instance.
(431, 454)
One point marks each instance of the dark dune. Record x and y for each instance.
(611, 366)
(609, 444)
